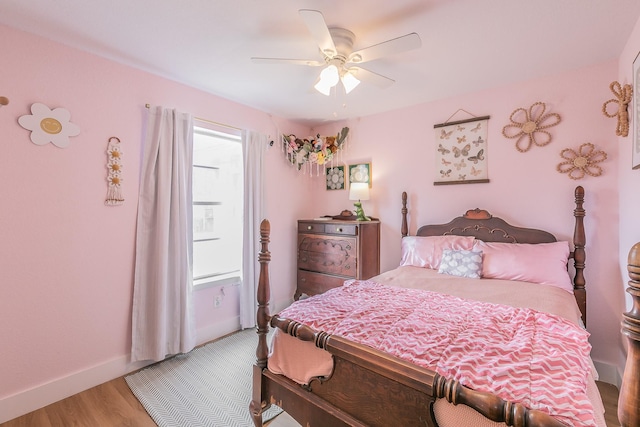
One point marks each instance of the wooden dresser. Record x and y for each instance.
(332, 251)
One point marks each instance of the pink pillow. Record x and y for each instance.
(544, 263)
(426, 251)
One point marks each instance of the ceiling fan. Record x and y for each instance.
(341, 62)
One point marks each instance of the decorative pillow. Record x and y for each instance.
(544, 263)
(426, 251)
(461, 263)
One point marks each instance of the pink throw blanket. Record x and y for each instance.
(518, 354)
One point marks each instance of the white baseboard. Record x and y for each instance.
(40, 396)
(217, 330)
(609, 373)
(45, 394)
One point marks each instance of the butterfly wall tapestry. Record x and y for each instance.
(461, 151)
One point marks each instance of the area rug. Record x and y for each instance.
(210, 386)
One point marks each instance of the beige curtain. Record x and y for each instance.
(254, 146)
(162, 318)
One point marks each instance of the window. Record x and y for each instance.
(217, 207)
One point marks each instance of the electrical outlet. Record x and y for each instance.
(217, 302)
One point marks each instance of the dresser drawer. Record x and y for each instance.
(311, 227)
(311, 283)
(343, 229)
(328, 254)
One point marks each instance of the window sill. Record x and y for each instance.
(232, 279)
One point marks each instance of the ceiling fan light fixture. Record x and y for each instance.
(329, 77)
(349, 81)
(323, 88)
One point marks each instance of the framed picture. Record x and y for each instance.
(335, 178)
(461, 152)
(635, 137)
(360, 173)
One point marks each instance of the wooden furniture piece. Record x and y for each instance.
(332, 251)
(629, 398)
(372, 388)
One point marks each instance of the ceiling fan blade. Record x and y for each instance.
(319, 30)
(390, 47)
(309, 62)
(367, 76)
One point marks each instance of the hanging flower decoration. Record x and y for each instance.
(531, 130)
(623, 98)
(318, 150)
(48, 125)
(582, 162)
(114, 177)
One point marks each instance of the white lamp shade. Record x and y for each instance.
(329, 77)
(323, 87)
(359, 191)
(349, 81)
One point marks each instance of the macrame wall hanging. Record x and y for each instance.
(114, 178)
(582, 162)
(529, 126)
(623, 98)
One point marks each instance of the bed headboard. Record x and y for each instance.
(480, 224)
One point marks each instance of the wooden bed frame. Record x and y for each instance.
(371, 388)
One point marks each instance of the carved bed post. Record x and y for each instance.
(579, 255)
(404, 228)
(257, 405)
(629, 399)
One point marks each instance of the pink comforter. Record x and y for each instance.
(543, 359)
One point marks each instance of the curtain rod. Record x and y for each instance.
(208, 121)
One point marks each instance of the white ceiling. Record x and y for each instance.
(467, 45)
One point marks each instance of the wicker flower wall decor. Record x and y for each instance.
(623, 98)
(530, 129)
(583, 162)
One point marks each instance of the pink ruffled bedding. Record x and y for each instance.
(455, 352)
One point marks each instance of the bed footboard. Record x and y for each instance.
(629, 399)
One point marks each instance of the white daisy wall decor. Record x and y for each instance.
(48, 125)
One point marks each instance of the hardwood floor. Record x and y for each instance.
(609, 394)
(113, 404)
(109, 404)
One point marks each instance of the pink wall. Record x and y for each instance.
(525, 188)
(66, 259)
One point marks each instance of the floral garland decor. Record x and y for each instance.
(318, 150)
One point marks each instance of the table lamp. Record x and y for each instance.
(359, 191)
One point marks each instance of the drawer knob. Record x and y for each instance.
(339, 230)
(309, 227)
(303, 280)
(348, 247)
